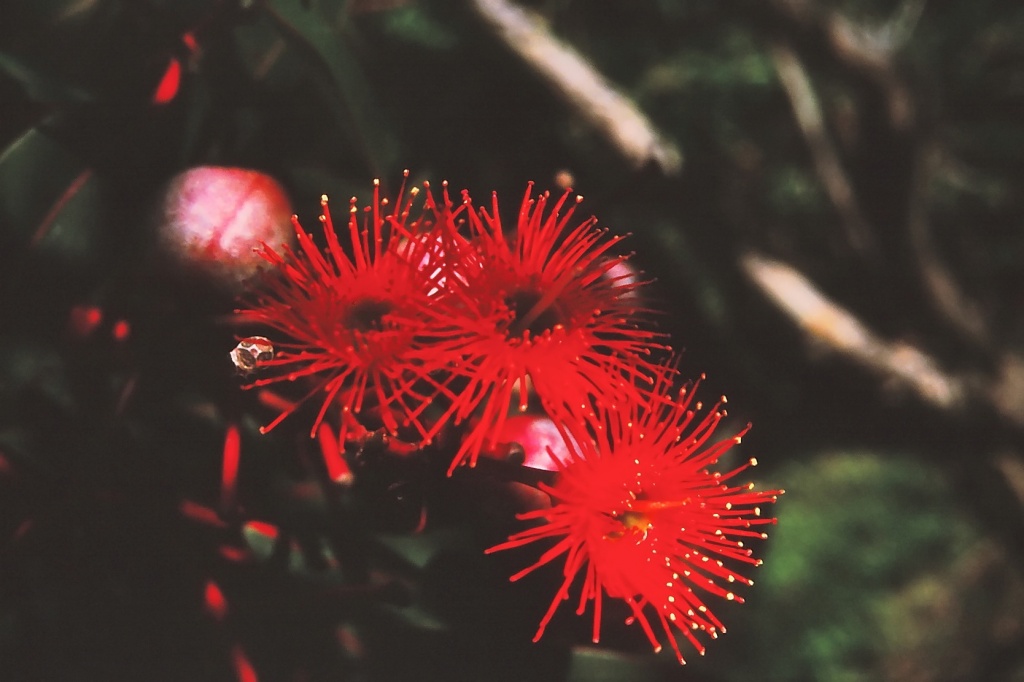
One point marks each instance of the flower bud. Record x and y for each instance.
(214, 218)
(543, 445)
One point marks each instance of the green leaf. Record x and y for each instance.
(319, 38)
(26, 365)
(414, 25)
(420, 549)
(263, 51)
(40, 85)
(416, 617)
(49, 199)
(589, 664)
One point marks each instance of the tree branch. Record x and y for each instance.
(860, 50)
(613, 114)
(828, 323)
(827, 163)
(947, 297)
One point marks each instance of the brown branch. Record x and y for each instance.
(946, 295)
(830, 324)
(1007, 392)
(871, 53)
(582, 86)
(827, 163)
(855, 46)
(1012, 469)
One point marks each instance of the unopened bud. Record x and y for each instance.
(214, 218)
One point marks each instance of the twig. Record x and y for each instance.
(49, 220)
(1012, 469)
(940, 284)
(830, 170)
(586, 90)
(856, 47)
(829, 323)
(1007, 392)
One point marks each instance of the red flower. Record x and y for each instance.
(640, 516)
(543, 316)
(364, 320)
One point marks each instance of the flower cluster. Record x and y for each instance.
(441, 319)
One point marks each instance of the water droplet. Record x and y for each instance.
(251, 352)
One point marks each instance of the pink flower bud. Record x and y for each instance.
(543, 444)
(215, 218)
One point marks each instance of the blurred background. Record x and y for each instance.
(828, 196)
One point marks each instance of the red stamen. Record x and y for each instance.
(265, 529)
(233, 554)
(229, 471)
(337, 468)
(204, 515)
(121, 331)
(84, 319)
(169, 82)
(275, 401)
(243, 668)
(214, 601)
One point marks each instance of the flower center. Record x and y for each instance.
(636, 522)
(367, 315)
(532, 312)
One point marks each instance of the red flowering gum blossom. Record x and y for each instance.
(639, 513)
(362, 319)
(544, 317)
